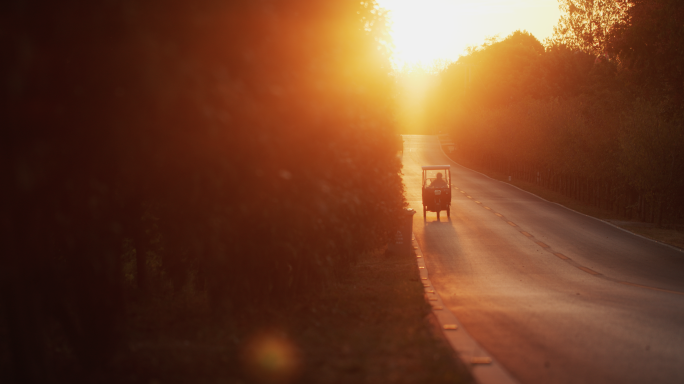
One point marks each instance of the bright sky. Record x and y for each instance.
(427, 30)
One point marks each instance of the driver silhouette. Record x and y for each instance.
(438, 182)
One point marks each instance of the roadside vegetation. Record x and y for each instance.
(372, 325)
(672, 234)
(178, 174)
(594, 114)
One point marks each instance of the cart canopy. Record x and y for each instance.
(436, 167)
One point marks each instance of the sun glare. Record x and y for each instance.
(429, 30)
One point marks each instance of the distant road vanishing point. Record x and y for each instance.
(555, 296)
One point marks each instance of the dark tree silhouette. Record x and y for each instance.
(245, 148)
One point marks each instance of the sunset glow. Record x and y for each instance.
(429, 30)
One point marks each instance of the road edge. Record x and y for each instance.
(560, 205)
(482, 366)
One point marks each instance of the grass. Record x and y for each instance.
(673, 235)
(371, 326)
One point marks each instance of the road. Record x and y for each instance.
(555, 296)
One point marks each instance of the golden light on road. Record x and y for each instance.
(429, 30)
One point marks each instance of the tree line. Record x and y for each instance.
(595, 112)
(242, 149)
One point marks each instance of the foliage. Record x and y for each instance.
(496, 75)
(594, 117)
(245, 146)
(648, 42)
(653, 152)
(586, 25)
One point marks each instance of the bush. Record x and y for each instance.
(258, 135)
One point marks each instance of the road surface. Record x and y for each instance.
(553, 295)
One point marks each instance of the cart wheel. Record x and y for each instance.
(448, 211)
(437, 215)
(424, 213)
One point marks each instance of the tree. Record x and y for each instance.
(499, 73)
(648, 42)
(260, 133)
(586, 24)
(653, 155)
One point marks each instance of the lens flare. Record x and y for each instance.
(271, 358)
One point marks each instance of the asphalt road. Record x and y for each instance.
(553, 295)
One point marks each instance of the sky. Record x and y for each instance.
(429, 30)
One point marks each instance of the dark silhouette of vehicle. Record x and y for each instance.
(436, 189)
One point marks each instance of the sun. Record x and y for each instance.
(429, 30)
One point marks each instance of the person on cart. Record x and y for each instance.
(436, 189)
(438, 182)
